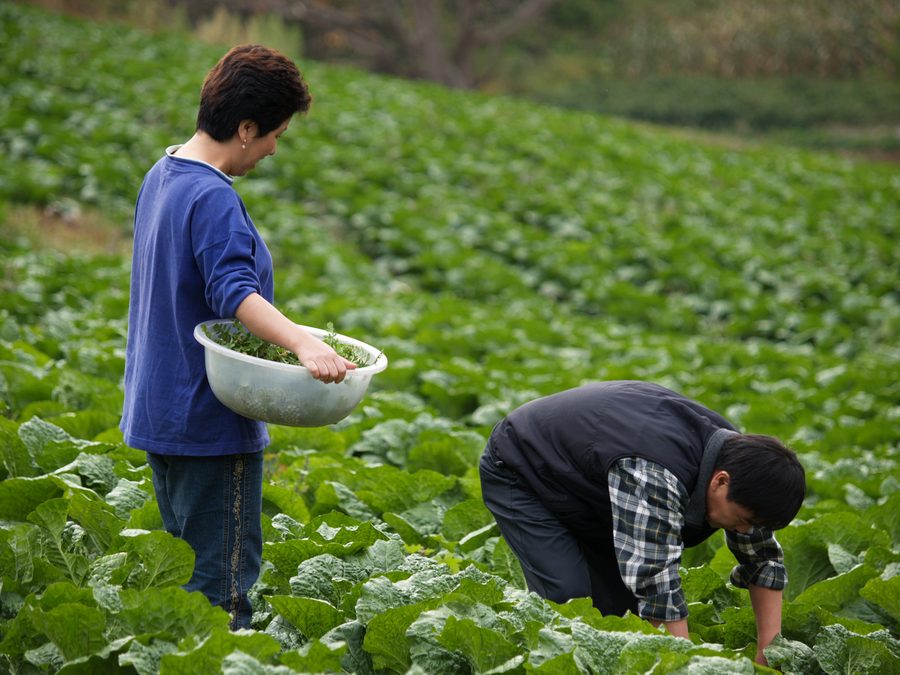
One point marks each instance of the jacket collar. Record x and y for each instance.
(695, 514)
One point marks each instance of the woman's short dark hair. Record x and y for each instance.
(251, 82)
(767, 479)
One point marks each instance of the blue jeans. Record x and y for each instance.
(215, 504)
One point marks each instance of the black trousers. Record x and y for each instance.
(558, 563)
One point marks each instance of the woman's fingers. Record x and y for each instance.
(325, 364)
(334, 371)
(330, 369)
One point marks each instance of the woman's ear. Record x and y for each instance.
(247, 131)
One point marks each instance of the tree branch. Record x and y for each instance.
(418, 37)
(325, 15)
(524, 14)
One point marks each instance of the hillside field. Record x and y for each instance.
(497, 251)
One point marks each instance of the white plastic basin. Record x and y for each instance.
(281, 393)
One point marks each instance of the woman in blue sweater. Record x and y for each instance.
(198, 256)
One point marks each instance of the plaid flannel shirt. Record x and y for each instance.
(648, 505)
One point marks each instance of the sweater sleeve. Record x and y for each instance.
(224, 250)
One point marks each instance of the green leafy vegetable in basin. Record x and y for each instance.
(237, 338)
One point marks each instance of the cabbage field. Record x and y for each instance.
(496, 251)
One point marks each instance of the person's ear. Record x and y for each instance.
(247, 131)
(720, 479)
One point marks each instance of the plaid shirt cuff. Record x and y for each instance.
(767, 574)
(664, 607)
(760, 559)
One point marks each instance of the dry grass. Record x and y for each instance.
(218, 26)
(73, 230)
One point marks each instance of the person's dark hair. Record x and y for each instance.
(766, 478)
(251, 82)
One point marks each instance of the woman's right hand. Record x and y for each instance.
(322, 362)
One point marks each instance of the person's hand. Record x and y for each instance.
(677, 628)
(263, 320)
(323, 362)
(760, 657)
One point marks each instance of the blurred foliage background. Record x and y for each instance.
(816, 73)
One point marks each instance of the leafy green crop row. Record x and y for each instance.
(480, 196)
(497, 252)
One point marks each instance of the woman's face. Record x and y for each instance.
(258, 147)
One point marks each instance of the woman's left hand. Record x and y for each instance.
(322, 361)
(263, 320)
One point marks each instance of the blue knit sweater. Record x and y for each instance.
(197, 256)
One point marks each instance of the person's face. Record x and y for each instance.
(258, 147)
(723, 513)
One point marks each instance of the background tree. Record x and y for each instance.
(453, 42)
(818, 73)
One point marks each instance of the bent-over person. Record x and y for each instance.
(599, 489)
